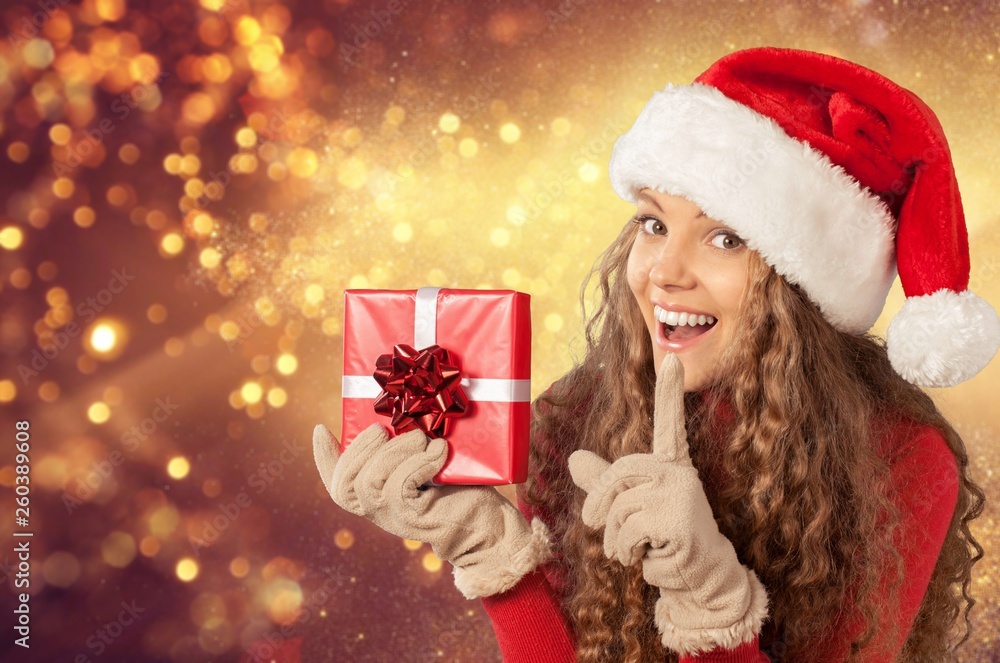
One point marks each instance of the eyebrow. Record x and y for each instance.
(649, 199)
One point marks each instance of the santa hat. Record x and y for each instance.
(838, 178)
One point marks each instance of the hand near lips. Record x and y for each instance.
(653, 508)
(484, 536)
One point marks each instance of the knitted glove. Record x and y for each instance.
(485, 537)
(653, 508)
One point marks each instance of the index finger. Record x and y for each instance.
(669, 434)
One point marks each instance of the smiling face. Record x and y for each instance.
(688, 274)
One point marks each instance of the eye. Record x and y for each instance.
(730, 241)
(650, 225)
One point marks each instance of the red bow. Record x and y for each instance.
(419, 389)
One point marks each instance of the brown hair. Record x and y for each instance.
(807, 506)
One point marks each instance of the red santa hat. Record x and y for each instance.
(839, 179)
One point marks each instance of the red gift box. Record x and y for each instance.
(487, 334)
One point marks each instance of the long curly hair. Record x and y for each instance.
(806, 502)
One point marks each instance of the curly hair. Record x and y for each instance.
(807, 503)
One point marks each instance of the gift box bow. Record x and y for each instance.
(420, 389)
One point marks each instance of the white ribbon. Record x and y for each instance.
(476, 389)
(425, 318)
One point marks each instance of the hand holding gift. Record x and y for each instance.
(653, 508)
(487, 540)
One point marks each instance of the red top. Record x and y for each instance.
(530, 627)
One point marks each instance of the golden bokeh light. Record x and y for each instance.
(60, 134)
(246, 30)
(149, 546)
(18, 151)
(277, 397)
(84, 216)
(343, 539)
(118, 549)
(48, 391)
(510, 132)
(449, 123)
(178, 467)
(98, 412)
(106, 339)
(239, 567)
(287, 364)
(171, 244)
(187, 569)
(61, 569)
(251, 392)
(156, 313)
(11, 238)
(431, 562)
(209, 257)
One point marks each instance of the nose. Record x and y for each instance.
(671, 266)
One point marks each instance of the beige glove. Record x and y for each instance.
(653, 508)
(484, 536)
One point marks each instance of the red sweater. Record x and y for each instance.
(531, 628)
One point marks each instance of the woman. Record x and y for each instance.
(737, 470)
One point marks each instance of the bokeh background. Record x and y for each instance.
(188, 187)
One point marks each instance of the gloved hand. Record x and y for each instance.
(653, 508)
(484, 536)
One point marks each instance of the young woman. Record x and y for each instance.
(737, 470)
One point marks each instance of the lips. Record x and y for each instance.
(676, 338)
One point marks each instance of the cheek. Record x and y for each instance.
(637, 276)
(727, 287)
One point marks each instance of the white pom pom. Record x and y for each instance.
(944, 338)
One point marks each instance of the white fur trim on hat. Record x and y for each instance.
(944, 338)
(810, 220)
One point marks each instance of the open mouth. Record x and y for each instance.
(682, 327)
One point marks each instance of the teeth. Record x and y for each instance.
(675, 319)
